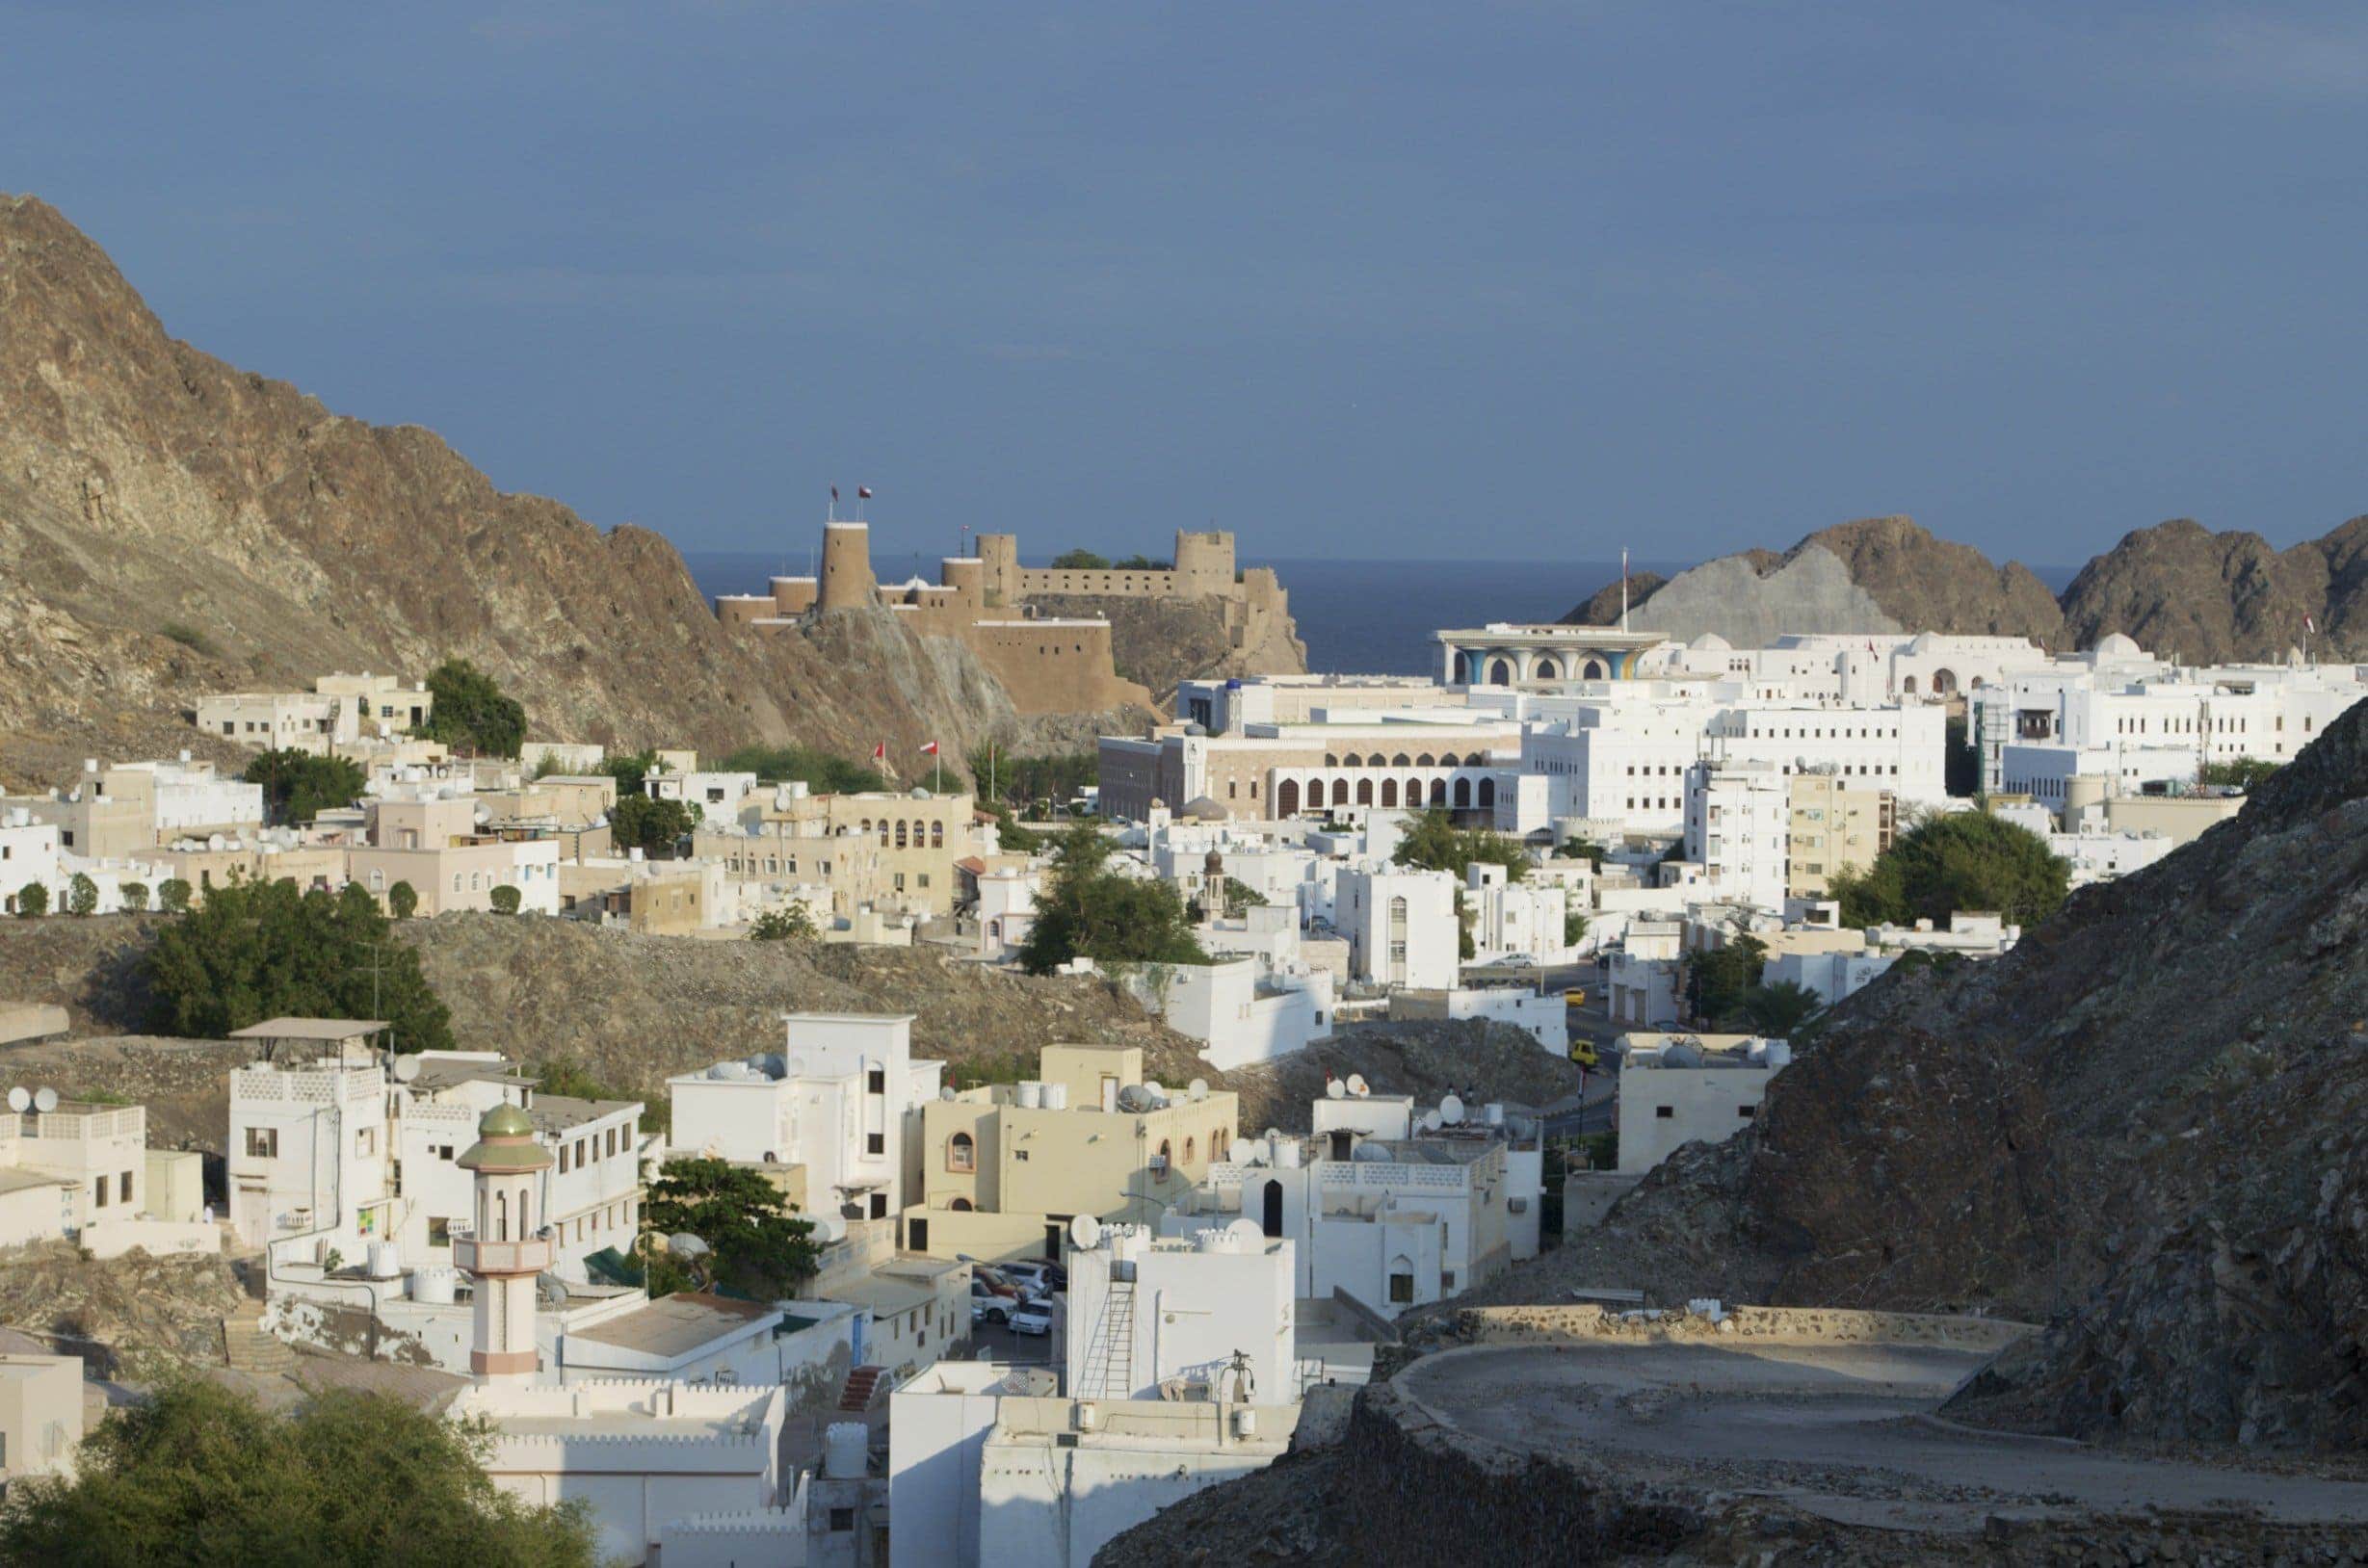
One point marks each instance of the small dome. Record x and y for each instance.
(505, 1121)
(1206, 809)
(2114, 645)
(1925, 642)
(1711, 643)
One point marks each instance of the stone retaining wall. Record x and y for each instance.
(1798, 1325)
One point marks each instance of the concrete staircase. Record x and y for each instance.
(248, 1346)
(862, 1385)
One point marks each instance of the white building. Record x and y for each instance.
(1739, 829)
(1544, 1017)
(1180, 1375)
(834, 1100)
(1641, 976)
(1509, 918)
(1242, 1014)
(718, 796)
(1830, 976)
(1400, 924)
(28, 856)
(1677, 1089)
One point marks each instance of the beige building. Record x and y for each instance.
(1834, 828)
(1282, 770)
(1001, 1169)
(894, 852)
(41, 1415)
(69, 1167)
(339, 712)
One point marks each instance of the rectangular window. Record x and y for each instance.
(439, 1231)
(875, 1143)
(101, 1193)
(1664, 1112)
(123, 1188)
(1744, 1112)
(563, 1160)
(263, 1143)
(1402, 1288)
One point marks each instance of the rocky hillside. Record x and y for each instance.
(1161, 641)
(2176, 587)
(1880, 574)
(631, 1009)
(2147, 1127)
(170, 526)
(2179, 588)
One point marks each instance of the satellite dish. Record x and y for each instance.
(1370, 1153)
(1333, 1089)
(20, 1097)
(1451, 1110)
(684, 1245)
(1155, 1089)
(1429, 1122)
(946, 1093)
(1084, 1232)
(1358, 1086)
(406, 1069)
(1197, 1089)
(45, 1100)
(1247, 1229)
(1272, 1133)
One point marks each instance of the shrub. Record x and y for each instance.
(190, 638)
(32, 901)
(173, 896)
(504, 900)
(81, 896)
(403, 899)
(135, 896)
(791, 925)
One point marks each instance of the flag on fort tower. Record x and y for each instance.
(863, 492)
(929, 750)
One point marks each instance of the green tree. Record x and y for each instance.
(504, 900)
(32, 901)
(788, 925)
(2247, 773)
(472, 712)
(81, 895)
(759, 1250)
(630, 769)
(403, 899)
(200, 1474)
(298, 786)
(173, 896)
(1574, 928)
(1778, 1011)
(1080, 560)
(261, 950)
(1436, 844)
(1023, 781)
(1587, 850)
(135, 896)
(1718, 982)
(655, 827)
(1142, 563)
(1088, 909)
(825, 772)
(1962, 860)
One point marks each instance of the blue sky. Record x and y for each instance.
(1523, 280)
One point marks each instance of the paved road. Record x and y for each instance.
(1845, 1431)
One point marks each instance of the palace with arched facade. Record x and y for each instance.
(1508, 654)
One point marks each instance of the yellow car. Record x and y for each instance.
(1583, 1052)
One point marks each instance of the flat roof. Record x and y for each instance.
(309, 1028)
(558, 1112)
(676, 1325)
(876, 1294)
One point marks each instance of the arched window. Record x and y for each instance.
(1364, 792)
(1449, 761)
(1423, 760)
(1271, 1209)
(1488, 795)
(1592, 671)
(961, 1206)
(1187, 1151)
(501, 1216)
(1463, 793)
(1438, 791)
(900, 833)
(1389, 792)
(1907, 684)
(1331, 761)
(867, 826)
(962, 1155)
(1315, 795)
(1549, 669)
(936, 835)
(1286, 798)
(1500, 674)
(1167, 1152)
(1401, 760)
(883, 832)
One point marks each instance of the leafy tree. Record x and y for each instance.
(825, 772)
(655, 827)
(1089, 910)
(790, 925)
(758, 1249)
(504, 900)
(2247, 773)
(1025, 780)
(201, 1473)
(1778, 1011)
(1718, 982)
(1142, 564)
(1574, 928)
(260, 950)
(32, 901)
(1436, 844)
(404, 899)
(135, 896)
(81, 895)
(631, 770)
(298, 786)
(173, 896)
(1080, 560)
(1587, 850)
(473, 714)
(1967, 860)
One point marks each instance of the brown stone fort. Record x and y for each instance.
(1047, 664)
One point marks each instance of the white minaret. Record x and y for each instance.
(509, 1246)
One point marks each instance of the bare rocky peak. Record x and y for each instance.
(170, 525)
(2179, 588)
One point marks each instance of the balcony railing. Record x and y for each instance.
(531, 1256)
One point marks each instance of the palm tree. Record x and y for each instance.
(1778, 1011)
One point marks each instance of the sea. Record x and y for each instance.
(1357, 617)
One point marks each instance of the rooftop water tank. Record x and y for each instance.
(845, 1451)
(1056, 1096)
(386, 1260)
(1031, 1095)
(432, 1285)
